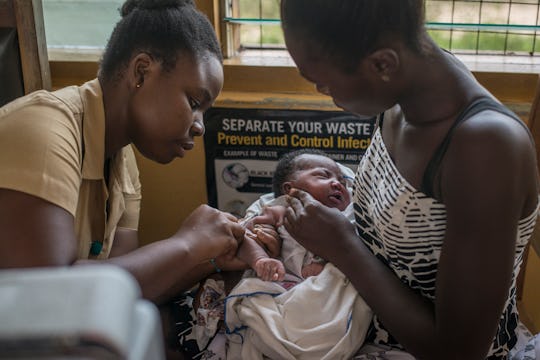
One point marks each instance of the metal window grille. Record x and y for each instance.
(487, 27)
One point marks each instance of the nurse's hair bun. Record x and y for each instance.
(131, 5)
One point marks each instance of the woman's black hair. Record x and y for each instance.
(165, 29)
(345, 31)
(288, 165)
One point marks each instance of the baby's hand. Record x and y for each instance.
(312, 269)
(269, 269)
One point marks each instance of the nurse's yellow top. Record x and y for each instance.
(52, 145)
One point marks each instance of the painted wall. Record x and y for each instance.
(531, 292)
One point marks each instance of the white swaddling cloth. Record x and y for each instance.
(323, 317)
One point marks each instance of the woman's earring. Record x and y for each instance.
(138, 86)
(385, 78)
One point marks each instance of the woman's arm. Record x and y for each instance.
(485, 188)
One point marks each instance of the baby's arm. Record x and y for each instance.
(267, 268)
(252, 252)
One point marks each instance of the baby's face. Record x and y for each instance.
(322, 178)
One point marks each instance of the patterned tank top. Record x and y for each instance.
(405, 229)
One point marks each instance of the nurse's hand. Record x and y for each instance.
(210, 233)
(322, 230)
(230, 262)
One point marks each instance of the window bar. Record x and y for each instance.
(260, 25)
(226, 31)
(535, 34)
(477, 45)
(451, 29)
(261, 21)
(480, 27)
(430, 25)
(505, 51)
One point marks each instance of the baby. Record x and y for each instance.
(309, 170)
(308, 309)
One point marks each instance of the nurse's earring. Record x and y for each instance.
(141, 79)
(385, 78)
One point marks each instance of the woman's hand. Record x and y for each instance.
(320, 229)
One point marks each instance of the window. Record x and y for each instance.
(500, 27)
(493, 27)
(251, 24)
(79, 24)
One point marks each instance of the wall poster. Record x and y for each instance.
(243, 146)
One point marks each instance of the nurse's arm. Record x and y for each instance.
(34, 232)
(37, 233)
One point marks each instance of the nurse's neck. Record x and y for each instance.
(115, 107)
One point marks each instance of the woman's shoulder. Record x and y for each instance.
(495, 146)
(493, 124)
